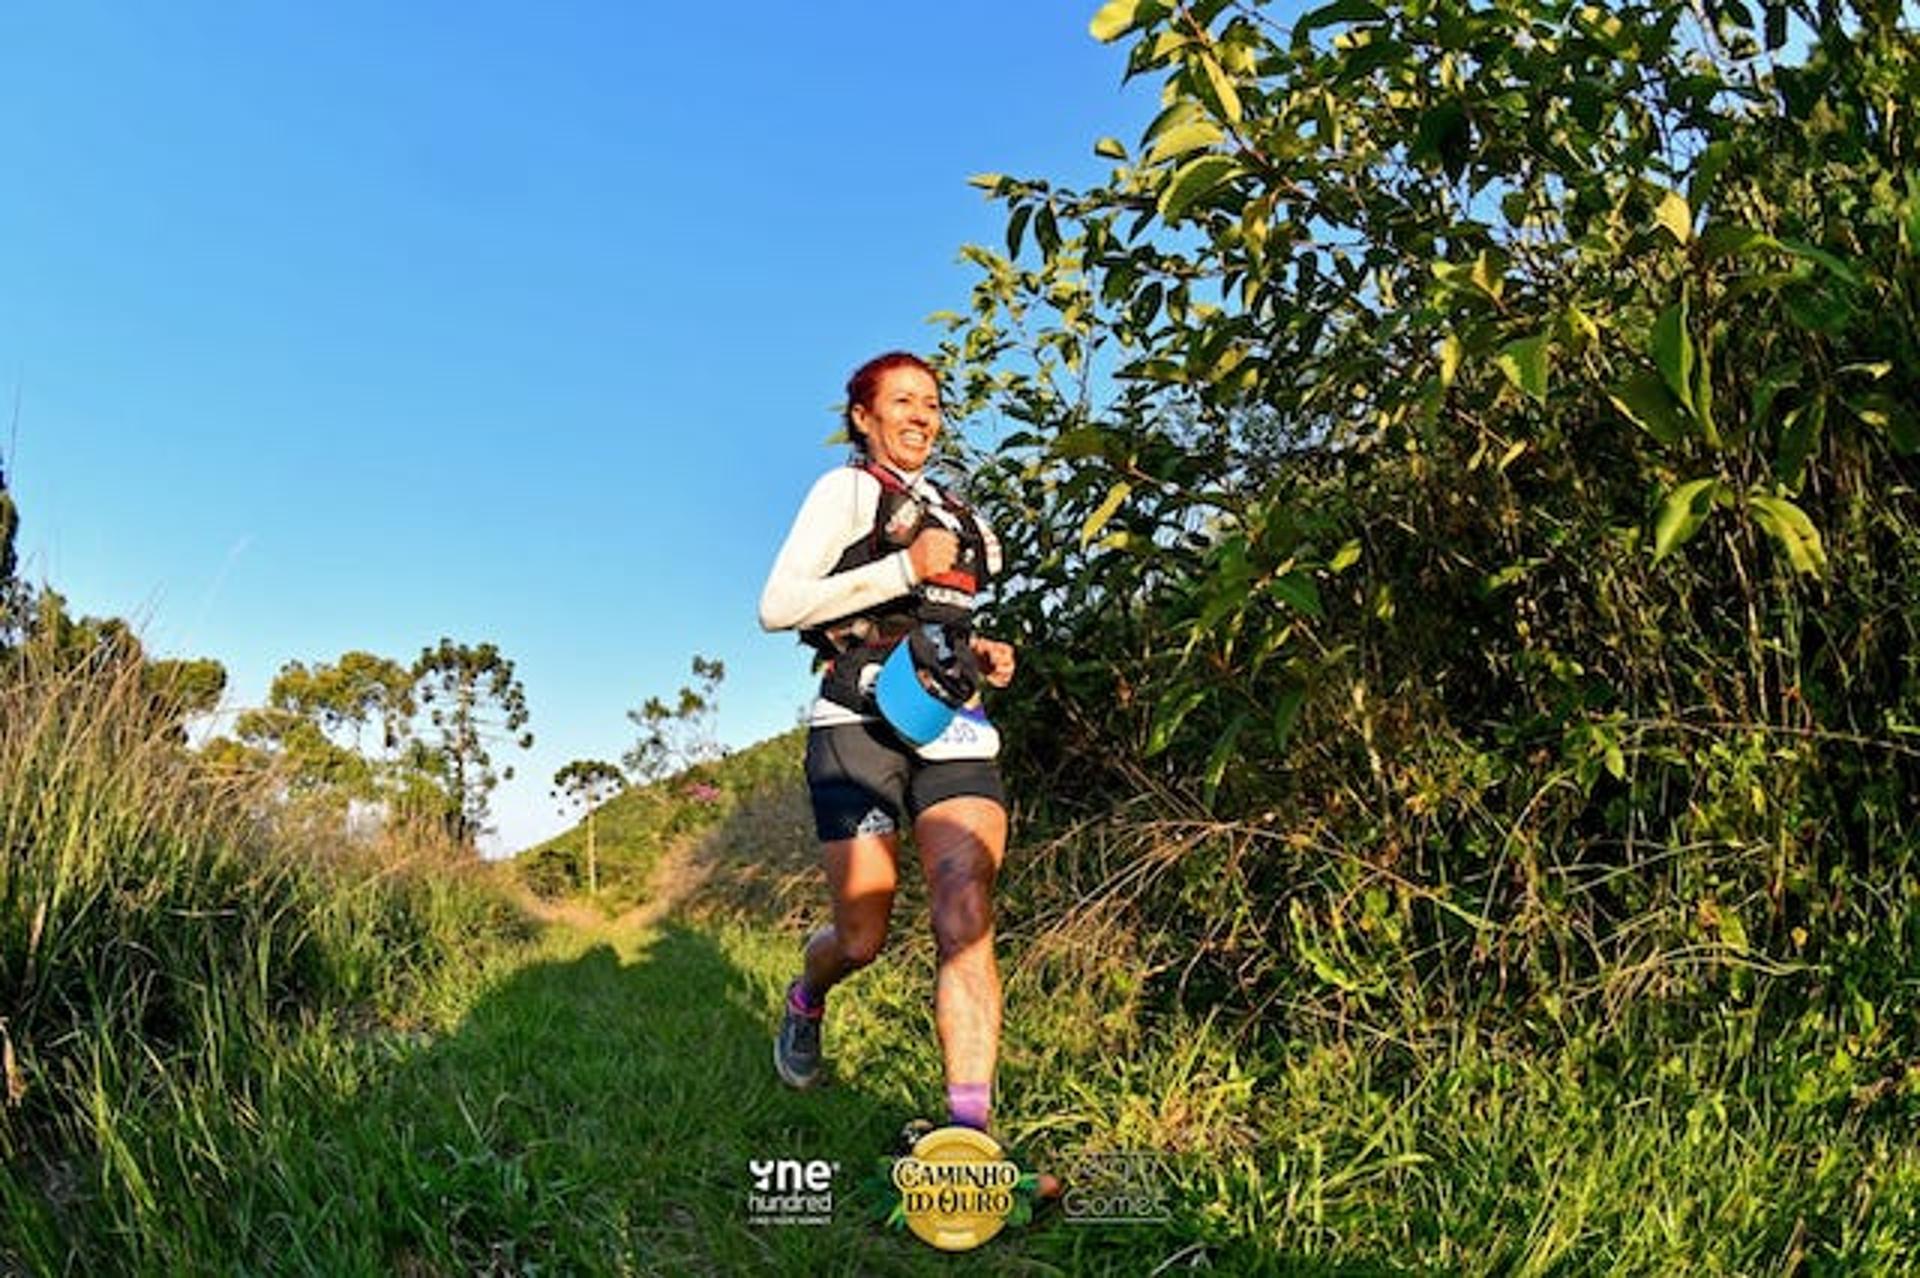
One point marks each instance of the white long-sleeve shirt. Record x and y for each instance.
(802, 590)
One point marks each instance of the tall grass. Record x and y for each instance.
(162, 924)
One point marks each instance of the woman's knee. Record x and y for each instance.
(962, 913)
(860, 927)
(861, 945)
(861, 874)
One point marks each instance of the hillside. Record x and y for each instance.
(745, 812)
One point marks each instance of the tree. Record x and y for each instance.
(163, 692)
(179, 688)
(11, 601)
(586, 784)
(675, 737)
(1443, 252)
(316, 720)
(472, 702)
(1455, 429)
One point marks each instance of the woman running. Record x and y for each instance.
(882, 563)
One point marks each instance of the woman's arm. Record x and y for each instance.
(803, 590)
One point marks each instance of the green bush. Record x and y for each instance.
(1460, 474)
(160, 918)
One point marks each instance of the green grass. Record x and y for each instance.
(452, 1093)
(165, 931)
(589, 1104)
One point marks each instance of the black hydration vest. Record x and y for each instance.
(849, 645)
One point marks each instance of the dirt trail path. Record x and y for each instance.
(675, 878)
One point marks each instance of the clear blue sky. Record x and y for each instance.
(354, 325)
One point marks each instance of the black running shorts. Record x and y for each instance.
(862, 778)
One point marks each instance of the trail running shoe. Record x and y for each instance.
(796, 1048)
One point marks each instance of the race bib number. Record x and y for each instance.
(967, 736)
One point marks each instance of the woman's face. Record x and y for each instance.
(904, 419)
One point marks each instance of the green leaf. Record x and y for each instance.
(1764, 282)
(1706, 171)
(1703, 390)
(1222, 752)
(1365, 59)
(1681, 515)
(1179, 139)
(1226, 98)
(1819, 310)
(1675, 216)
(1115, 19)
(1046, 232)
(1776, 19)
(1017, 228)
(1110, 148)
(1524, 361)
(1352, 11)
(1488, 276)
(1791, 530)
(1673, 352)
(1193, 180)
(1184, 111)
(1444, 135)
(1811, 253)
(1616, 759)
(1345, 557)
(1298, 590)
(1081, 441)
(1168, 715)
(1581, 326)
(1450, 352)
(1771, 383)
(1286, 712)
(1884, 412)
(1482, 275)
(1645, 401)
(1799, 436)
(1724, 239)
(1104, 511)
(1495, 582)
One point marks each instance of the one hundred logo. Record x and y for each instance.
(790, 1191)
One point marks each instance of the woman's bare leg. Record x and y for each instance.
(962, 842)
(861, 875)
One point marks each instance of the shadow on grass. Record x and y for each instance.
(595, 1112)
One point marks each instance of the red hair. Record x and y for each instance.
(864, 385)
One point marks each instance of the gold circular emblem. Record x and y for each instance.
(956, 1188)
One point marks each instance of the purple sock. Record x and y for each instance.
(802, 999)
(969, 1104)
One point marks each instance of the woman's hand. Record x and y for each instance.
(933, 552)
(996, 660)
